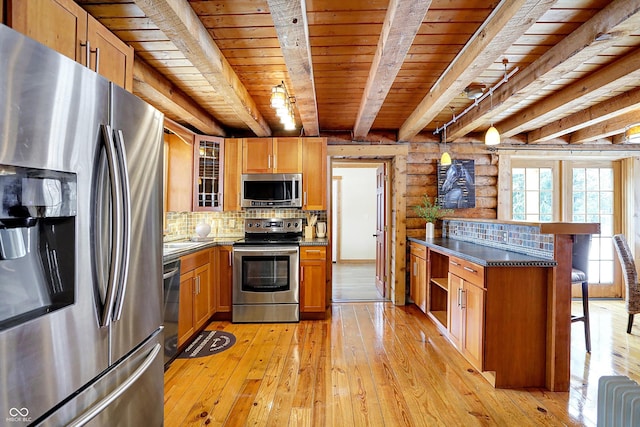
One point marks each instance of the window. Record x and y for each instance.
(578, 191)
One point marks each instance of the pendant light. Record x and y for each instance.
(492, 137)
(445, 159)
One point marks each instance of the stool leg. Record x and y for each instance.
(630, 324)
(585, 312)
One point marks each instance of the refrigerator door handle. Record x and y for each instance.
(126, 222)
(116, 231)
(92, 412)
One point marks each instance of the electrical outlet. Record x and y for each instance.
(505, 236)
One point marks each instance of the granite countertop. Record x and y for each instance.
(484, 255)
(175, 249)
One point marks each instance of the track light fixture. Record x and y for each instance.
(283, 104)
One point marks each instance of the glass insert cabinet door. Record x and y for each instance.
(208, 163)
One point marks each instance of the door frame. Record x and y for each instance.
(396, 155)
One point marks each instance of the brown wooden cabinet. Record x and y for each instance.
(232, 174)
(418, 271)
(314, 173)
(272, 155)
(179, 173)
(208, 165)
(52, 23)
(224, 269)
(197, 297)
(313, 279)
(496, 316)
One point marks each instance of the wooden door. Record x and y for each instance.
(185, 311)
(208, 170)
(257, 155)
(313, 281)
(51, 22)
(179, 174)
(287, 155)
(381, 229)
(314, 174)
(110, 57)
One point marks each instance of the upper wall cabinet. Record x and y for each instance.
(314, 174)
(272, 155)
(232, 173)
(179, 172)
(208, 160)
(51, 22)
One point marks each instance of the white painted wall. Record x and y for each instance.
(357, 205)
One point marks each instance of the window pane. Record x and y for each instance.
(532, 202)
(579, 202)
(606, 203)
(533, 179)
(593, 178)
(593, 202)
(578, 180)
(606, 179)
(546, 179)
(517, 179)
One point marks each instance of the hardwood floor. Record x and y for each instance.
(376, 364)
(355, 282)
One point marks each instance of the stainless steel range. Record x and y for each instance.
(266, 265)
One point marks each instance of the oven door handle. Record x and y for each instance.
(266, 250)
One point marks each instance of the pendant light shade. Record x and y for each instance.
(492, 137)
(445, 159)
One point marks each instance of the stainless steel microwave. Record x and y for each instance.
(271, 190)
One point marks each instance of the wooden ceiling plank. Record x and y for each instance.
(290, 20)
(179, 22)
(509, 20)
(564, 57)
(625, 71)
(621, 104)
(401, 24)
(605, 129)
(150, 84)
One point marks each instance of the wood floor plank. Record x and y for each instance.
(373, 363)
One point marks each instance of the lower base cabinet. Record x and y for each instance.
(224, 270)
(313, 280)
(197, 302)
(466, 318)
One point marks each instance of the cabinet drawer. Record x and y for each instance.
(469, 271)
(313, 252)
(193, 261)
(418, 250)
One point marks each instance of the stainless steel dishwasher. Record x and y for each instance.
(171, 279)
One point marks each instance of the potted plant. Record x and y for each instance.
(431, 212)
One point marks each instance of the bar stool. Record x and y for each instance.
(579, 275)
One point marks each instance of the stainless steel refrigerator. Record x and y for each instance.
(80, 245)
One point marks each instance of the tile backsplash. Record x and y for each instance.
(181, 225)
(525, 239)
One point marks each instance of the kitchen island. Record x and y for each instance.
(500, 291)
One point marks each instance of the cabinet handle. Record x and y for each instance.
(97, 60)
(269, 161)
(469, 269)
(87, 53)
(463, 299)
(230, 259)
(454, 263)
(415, 268)
(459, 297)
(313, 251)
(305, 198)
(301, 274)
